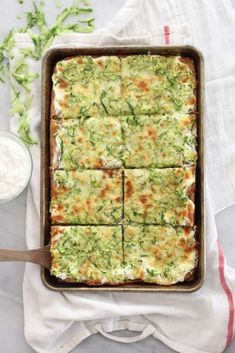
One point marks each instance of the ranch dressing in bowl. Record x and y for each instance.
(15, 166)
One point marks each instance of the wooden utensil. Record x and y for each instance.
(39, 256)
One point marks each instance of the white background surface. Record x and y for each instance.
(12, 222)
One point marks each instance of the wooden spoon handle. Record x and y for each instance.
(38, 256)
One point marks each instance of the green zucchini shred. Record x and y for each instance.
(19, 76)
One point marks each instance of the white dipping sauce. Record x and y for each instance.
(15, 168)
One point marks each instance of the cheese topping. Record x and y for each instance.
(139, 84)
(93, 254)
(123, 156)
(86, 86)
(160, 196)
(86, 197)
(154, 84)
(157, 254)
(159, 141)
(93, 143)
(88, 254)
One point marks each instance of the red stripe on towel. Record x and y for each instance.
(228, 294)
(167, 34)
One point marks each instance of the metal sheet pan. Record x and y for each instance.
(49, 62)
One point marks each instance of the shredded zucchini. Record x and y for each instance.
(20, 77)
(58, 4)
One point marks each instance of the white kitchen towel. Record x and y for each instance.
(200, 322)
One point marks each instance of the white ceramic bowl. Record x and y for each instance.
(16, 139)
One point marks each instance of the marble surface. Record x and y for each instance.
(12, 220)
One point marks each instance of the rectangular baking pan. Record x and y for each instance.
(48, 64)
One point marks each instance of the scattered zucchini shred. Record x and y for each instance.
(36, 18)
(19, 75)
(58, 4)
(20, 108)
(89, 21)
(86, 2)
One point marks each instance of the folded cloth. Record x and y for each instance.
(199, 322)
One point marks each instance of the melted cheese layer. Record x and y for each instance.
(139, 84)
(92, 143)
(86, 197)
(154, 84)
(94, 254)
(131, 112)
(157, 254)
(159, 141)
(160, 196)
(88, 254)
(86, 86)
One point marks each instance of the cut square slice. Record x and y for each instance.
(159, 254)
(87, 254)
(91, 143)
(159, 141)
(86, 86)
(86, 197)
(160, 196)
(157, 84)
